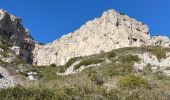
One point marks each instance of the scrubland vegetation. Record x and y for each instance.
(117, 80)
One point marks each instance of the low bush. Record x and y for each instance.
(147, 70)
(110, 70)
(88, 61)
(159, 52)
(114, 94)
(128, 58)
(72, 61)
(20, 93)
(111, 54)
(53, 65)
(95, 77)
(119, 69)
(160, 75)
(68, 64)
(62, 69)
(132, 81)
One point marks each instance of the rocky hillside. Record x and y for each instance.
(16, 46)
(109, 58)
(111, 31)
(131, 73)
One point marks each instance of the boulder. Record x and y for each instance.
(6, 80)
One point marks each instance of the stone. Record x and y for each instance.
(148, 58)
(9, 59)
(13, 31)
(32, 76)
(6, 80)
(16, 49)
(111, 31)
(160, 41)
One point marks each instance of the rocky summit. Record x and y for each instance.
(111, 31)
(12, 30)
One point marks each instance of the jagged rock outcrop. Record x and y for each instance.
(12, 30)
(113, 30)
(6, 80)
(150, 60)
(160, 41)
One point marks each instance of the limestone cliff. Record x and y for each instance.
(111, 31)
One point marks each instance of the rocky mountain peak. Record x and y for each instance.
(11, 27)
(13, 31)
(111, 31)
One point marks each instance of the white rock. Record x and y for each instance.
(32, 75)
(9, 59)
(16, 49)
(1, 50)
(160, 41)
(7, 80)
(148, 58)
(113, 30)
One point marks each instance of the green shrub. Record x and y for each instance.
(119, 69)
(132, 81)
(88, 61)
(5, 44)
(160, 75)
(62, 69)
(110, 70)
(159, 52)
(147, 70)
(99, 81)
(72, 61)
(113, 94)
(133, 96)
(53, 65)
(111, 55)
(95, 77)
(21, 93)
(68, 64)
(128, 58)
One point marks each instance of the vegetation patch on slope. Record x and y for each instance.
(131, 84)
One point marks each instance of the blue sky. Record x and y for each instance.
(48, 20)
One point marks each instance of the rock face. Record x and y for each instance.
(111, 31)
(160, 41)
(11, 29)
(148, 59)
(6, 80)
